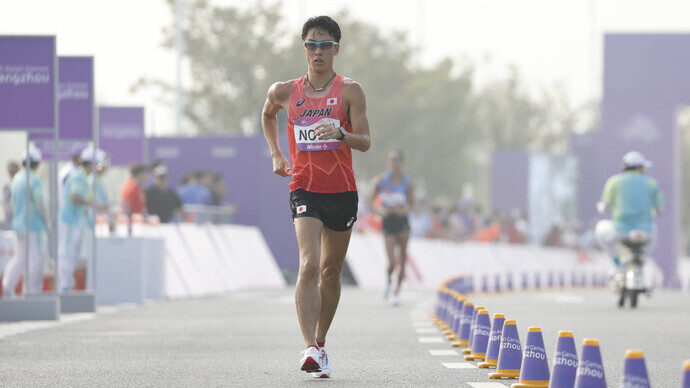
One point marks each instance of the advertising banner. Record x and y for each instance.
(27, 83)
(645, 81)
(121, 134)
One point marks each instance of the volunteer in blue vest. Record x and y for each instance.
(395, 194)
(73, 219)
(633, 198)
(35, 231)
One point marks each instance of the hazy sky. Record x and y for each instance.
(550, 41)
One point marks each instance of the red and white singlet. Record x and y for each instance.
(319, 166)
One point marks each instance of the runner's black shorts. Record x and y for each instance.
(337, 211)
(395, 223)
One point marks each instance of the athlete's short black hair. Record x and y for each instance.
(323, 23)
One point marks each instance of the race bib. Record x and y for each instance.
(308, 141)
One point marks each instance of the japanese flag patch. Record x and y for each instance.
(332, 101)
(301, 209)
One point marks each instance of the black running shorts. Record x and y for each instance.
(395, 223)
(337, 211)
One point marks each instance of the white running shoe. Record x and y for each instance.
(395, 301)
(310, 361)
(387, 291)
(323, 363)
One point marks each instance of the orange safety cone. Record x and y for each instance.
(480, 337)
(468, 349)
(510, 353)
(564, 361)
(590, 369)
(491, 359)
(535, 367)
(686, 374)
(634, 370)
(464, 331)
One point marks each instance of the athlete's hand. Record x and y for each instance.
(326, 132)
(281, 166)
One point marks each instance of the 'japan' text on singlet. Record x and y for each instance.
(319, 166)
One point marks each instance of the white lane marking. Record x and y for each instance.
(430, 340)
(427, 330)
(458, 365)
(422, 324)
(443, 352)
(14, 328)
(487, 385)
(563, 298)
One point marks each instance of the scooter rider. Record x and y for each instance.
(633, 199)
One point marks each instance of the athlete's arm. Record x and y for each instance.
(277, 93)
(410, 196)
(359, 138)
(374, 193)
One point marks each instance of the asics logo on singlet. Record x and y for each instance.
(300, 102)
(316, 112)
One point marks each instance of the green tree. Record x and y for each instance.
(447, 126)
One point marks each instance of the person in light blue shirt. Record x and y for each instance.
(633, 199)
(34, 231)
(73, 219)
(97, 187)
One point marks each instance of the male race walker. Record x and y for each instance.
(326, 120)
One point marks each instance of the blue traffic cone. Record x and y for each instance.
(509, 281)
(491, 359)
(525, 281)
(537, 280)
(465, 321)
(634, 370)
(510, 353)
(590, 369)
(564, 361)
(458, 301)
(480, 338)
(686, 374)
(535, 367)
(470, 336)
(497, 283)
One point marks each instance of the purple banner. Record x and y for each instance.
(65, 149)
(75, 99)
(510, 180)
(27, 83)
(645, 80)
(121, 134)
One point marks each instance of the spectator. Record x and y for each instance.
(34, 231)
(160, 200)
(72, 220)
(95, 182)
(132, 195)
(12, 169)
(67, 169)
(192, 192)
(218, 189)
(553, 237)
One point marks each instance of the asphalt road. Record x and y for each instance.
(251, 339)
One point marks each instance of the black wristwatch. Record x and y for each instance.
(342, 134)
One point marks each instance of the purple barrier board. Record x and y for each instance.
(121, 134)
(245, 165)
(645, 80)
(27, 83)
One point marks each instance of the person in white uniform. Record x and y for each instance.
(73, 212)
(35, 231)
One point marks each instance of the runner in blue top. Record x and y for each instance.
(392, 198)
(34, 231)
(633, 199)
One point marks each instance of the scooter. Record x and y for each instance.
(629, 283)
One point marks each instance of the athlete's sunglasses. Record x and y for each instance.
(325, 45)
